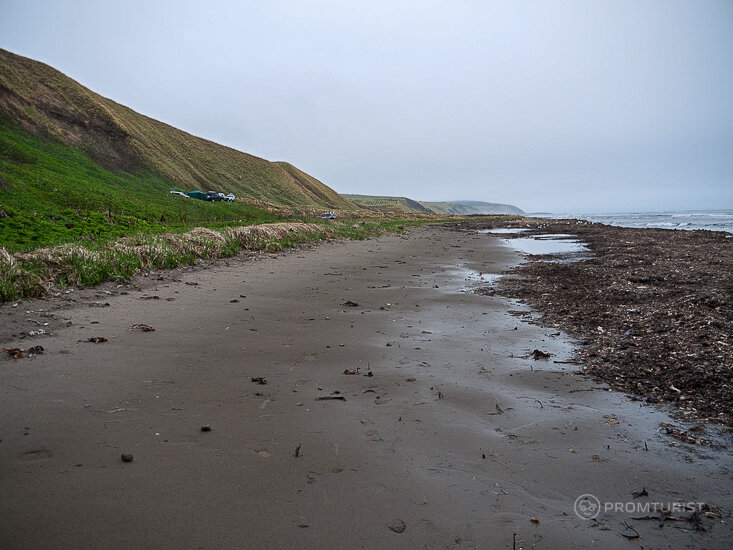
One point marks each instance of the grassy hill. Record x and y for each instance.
(388, 204)
(468, 208)
(74, 164)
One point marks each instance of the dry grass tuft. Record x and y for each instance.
(36, 273)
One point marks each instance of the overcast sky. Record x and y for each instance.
(565, 106)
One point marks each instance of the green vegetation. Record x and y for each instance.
(85, 191)
(46, 103)
(51, 193)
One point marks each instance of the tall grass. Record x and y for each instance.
(46, 270)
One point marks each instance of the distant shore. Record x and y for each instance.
(689, 220)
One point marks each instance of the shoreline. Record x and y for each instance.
(684, 220)
(459, 439)
(653, 309)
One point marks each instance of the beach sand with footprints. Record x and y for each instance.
(349, 395)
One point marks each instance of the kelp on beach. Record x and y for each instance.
(652, 310)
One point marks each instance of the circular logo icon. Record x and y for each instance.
(587, 506)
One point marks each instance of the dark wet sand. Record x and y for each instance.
(450, 470)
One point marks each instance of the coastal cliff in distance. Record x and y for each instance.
(455, 208)
(46, 105)
(468, 208)
(388, 204)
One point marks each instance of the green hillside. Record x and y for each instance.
(388, 204)
(50, 193)
(74, 164)
(468, 208)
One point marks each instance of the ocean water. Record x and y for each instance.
(714, 220)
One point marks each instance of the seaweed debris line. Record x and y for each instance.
(651, 309)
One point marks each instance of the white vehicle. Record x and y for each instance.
(328, 216)
(230, 197)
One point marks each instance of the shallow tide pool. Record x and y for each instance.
(548, 244)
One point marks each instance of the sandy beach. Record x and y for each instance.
(458, 439)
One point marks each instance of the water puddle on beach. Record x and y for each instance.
(560, 247)
(567, 247)
(468, 280)
(548, 244)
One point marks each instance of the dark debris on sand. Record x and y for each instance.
(652, 308)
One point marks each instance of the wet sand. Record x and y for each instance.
(652, 308)
(457, 440)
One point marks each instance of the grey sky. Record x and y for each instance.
(583, 106)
